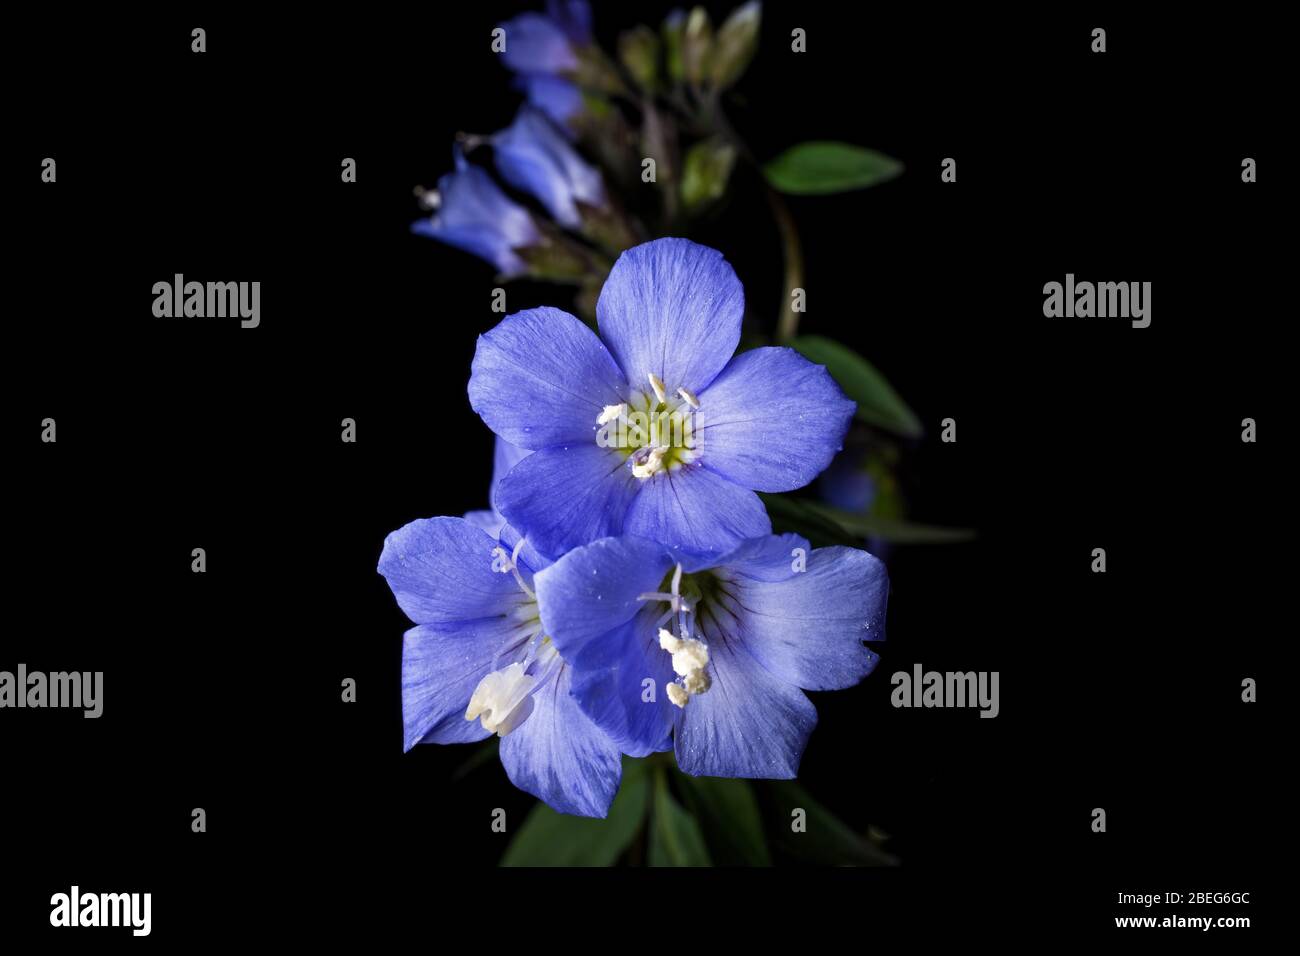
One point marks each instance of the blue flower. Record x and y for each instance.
(478, 663)
(550, 42)
(476, 216)
(711, 656)
(657, 430)
(533, 156)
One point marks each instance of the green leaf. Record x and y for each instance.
(548, 838)
(675, 838)
(729, 815)
(826, 839)
(878, 403)
(891, 529)
(823, 167)
(794, 515)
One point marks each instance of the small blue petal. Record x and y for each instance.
(440, 570)
(672, 307)
(542, 378)
(555, 96)
(694, 509)
(560, 756)
(441, 666)
(749, 723)
(772, 420)
(536, 43)
(809, 629)
(567, 495)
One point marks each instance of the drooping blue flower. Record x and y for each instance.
(711, 656)
(533, 156)
(657, 430)
(475, 215)
(549, 42)
(478, 662)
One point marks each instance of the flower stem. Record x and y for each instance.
(787, 325)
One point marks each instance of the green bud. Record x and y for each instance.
(707, 169)
(697, 46)
(736, 44)
(674, 31)
(638, 49)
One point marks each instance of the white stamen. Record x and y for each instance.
(678, 695)
(689, 398)
(689, 655)
(503, 564)
(502, 699)
(612, 413)
(661, 392)
(652, 463)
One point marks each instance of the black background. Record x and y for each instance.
(1119, 691)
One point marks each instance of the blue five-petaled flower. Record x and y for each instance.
(479, 663)
(708, 655)
(653, 428)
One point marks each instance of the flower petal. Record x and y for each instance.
(542, 378)
(772, 420)
(440, 570)
(441, 666)
(560, 756)
(566, 496)
(696, 509)
(593, 590)
(809, 629)
(749, 723)
(671, 307)
(555, 96)
(537, 44)
(610, 684)
(533, 156)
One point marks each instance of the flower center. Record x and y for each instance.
(653, 430)
(503, 699)
(690, 655)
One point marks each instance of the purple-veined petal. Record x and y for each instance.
(809, 629)
(619, 681)
(441, 666)
(772, 420)
(695, 509)
(440, 570)
(749, 723)
(594, 589)
(671, 307)
(567, 495)
(542, 378)
(560, 756)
